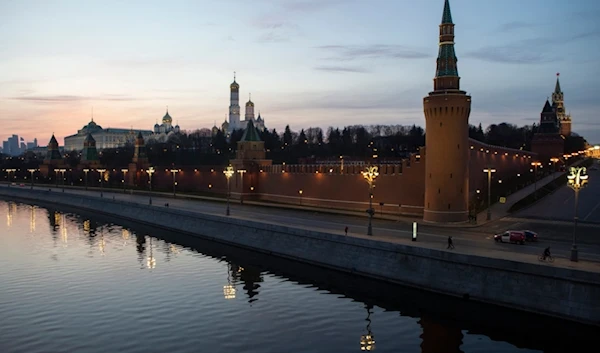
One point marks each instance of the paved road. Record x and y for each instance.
(474, 240)
(561, 204)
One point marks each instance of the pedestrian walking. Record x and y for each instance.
(450, 244)
(346, 230)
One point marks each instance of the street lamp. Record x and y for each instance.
(577, 180)
(228, 174)
(370, 174)
(554, 160)
(10, 170)
(124, 175)
(86, 170)
(62, 171)
(174, 172)
(489, 172)
(31, 171)
(342, 165)
(535, 165)
(150, 171)
(101, 171)
(242, 171)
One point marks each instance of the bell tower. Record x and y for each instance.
(447, 111)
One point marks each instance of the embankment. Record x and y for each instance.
(548, 290)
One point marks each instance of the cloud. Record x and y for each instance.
(73, 98)
(341, 69)
(529, 51)
(511, 26)
(273, 37)
(311, 5)
(373, 51)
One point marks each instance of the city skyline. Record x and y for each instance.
(306, 63)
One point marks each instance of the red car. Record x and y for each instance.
(511, 236)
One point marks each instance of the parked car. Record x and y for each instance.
(511, 236)
(530, 235)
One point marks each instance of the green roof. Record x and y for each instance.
(447, 16)
(250, 134)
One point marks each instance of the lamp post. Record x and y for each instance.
(124, 177)
(150, 171)
(535, 165)
(554, 160)
(86, 170)
(342, 165)
(489, 172)
(101, 171)
(31, 171)
(62, 171)
(370, 174)
(242, 171)
(174, 172)
(577, 180)
(9, 171)
(228, 174)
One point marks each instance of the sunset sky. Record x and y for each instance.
(306, 62)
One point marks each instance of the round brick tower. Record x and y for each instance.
(447, 111)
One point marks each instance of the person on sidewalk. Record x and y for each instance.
(450, 244)
(346, 230)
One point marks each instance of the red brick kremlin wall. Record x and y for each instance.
(399, 187)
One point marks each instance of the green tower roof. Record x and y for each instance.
(250, 134)
(447, 16)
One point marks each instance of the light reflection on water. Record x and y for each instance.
(75, 284)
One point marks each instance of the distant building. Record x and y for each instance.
(105, 138)
(234, 122)
(163, 131)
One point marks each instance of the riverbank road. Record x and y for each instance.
(478, 241)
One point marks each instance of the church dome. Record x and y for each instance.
(92, 126)
(250, 104)
(234, 86)
(156, 126)
(167, 118)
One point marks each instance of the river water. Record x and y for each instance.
(74, 282)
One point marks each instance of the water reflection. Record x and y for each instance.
(367, 341)
(151, 261)
(140, 247)
(229, 288)
(32, 219)
(12, 208)
(439, 337)
(443, 322)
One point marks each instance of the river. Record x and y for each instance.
(75, 282)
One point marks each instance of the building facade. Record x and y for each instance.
(105, 138)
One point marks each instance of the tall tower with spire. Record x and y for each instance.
(234, 105)
(249, 110)
(558, 103)
(447, 111)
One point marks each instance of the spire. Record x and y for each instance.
(447, 16)
(250, 97)
(557, 87)
(234, 76)
(446, 76)
(92, 113)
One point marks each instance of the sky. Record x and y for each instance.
(307, 63)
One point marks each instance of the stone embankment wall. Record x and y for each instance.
(565, 293)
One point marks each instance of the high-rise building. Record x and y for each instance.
(447, 110)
